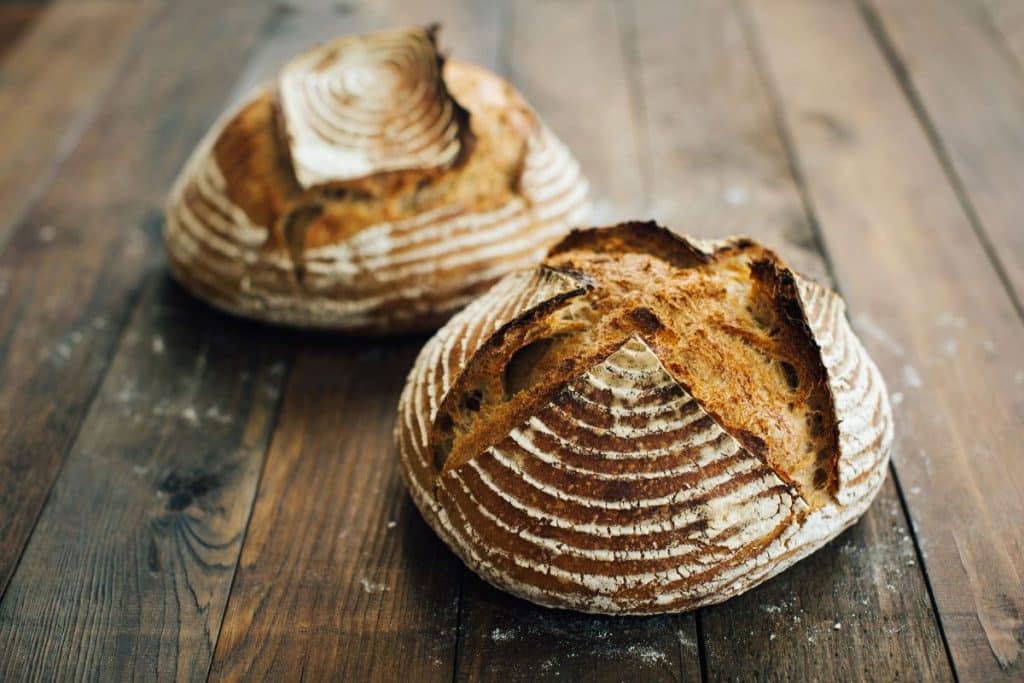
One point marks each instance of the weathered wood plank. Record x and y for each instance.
(74, 266)
(15, 18)
(583, 89)
(503, 638)
(366, 591)
(972, 101)
(932, 311)
(566, 57)
(719, 167)
(339, 577)
(129, 568)
(50, 83)
(1007, 17)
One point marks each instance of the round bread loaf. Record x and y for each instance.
(373, 187)
(644, 423)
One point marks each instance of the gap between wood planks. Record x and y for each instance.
(94, 262)
(907, 252)
(54, 80)
(463, 572)
(903, 77)
(796, 171)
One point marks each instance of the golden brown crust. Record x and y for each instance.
(662, 431)
(398, 237)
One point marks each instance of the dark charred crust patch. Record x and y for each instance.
(781, 286)
(645, 320)
(635, 237)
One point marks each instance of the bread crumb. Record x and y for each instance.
(392, 524)
(47, 234)
(771, 636)
(837, 626)
(158, 345)
(189, 414)
(897, 398)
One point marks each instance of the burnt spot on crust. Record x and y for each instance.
(645, 320)
(635, 237)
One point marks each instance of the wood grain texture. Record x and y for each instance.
(1007, 20)
(932, 310)
(340, 579)
(697, 74)
(367, 591)
(503, 638)
(581, 88)
(50, 83)
(74, 266)
(128, 571)
(561, 79)
(972, 101)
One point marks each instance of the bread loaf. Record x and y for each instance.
(643, 423)
(373, 187)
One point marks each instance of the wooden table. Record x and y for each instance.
(186, 495)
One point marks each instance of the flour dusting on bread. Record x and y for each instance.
(644, 423)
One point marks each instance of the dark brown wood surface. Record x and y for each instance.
(185, 495)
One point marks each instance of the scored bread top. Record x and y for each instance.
(375, 186)
(644, 423)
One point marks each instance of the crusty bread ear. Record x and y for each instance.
(669, 424)
(374, 187)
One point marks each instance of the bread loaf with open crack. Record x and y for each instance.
(644, 423)
(373, 187)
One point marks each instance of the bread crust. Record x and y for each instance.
(615, 477)
(300, 207)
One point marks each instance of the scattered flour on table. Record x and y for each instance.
(736, 196)
(372, 587)
(501, 635)
(215, 414)
(47, 234)
(646, 654)
(911, 377)
(869, 328)
(949, 319)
